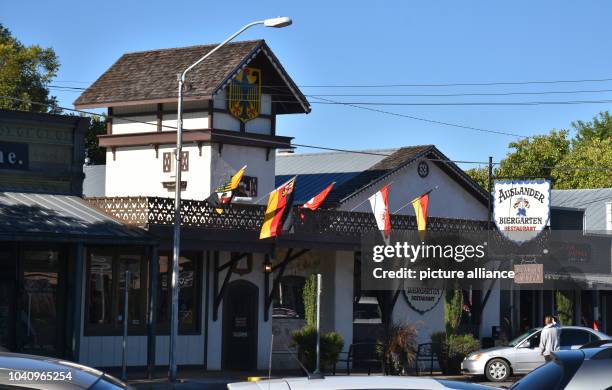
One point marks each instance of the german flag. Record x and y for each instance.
(420, 205)
(279, 206)
(223, 195)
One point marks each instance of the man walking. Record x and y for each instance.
(549, 337)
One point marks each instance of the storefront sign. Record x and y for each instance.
(522, 208)
(528, 273)
(14, 155)
(422, 300)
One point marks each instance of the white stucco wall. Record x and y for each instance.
(135, 171)
(450, 200)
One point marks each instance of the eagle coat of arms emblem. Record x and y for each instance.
(244, 100)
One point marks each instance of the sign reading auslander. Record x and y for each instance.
(522, 208)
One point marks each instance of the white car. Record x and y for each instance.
(356, 383)
(522, 355)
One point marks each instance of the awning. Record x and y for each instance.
(62, 218)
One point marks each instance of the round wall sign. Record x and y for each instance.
(423, 169)
(422, 299)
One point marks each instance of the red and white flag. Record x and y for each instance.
(380, 207)
(318, 199)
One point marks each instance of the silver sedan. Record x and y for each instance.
(522, 355)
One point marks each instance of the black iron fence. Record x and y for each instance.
(144, 210)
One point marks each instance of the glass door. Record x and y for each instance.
(41, 312)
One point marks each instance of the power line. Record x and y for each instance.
(423, 119)
(364, 152)
(528, 103)
(450, 84)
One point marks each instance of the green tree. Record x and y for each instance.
(96, 154)
(535, 155)
(594, 155)
(453, 309)
(600, 127)
(564, 307)
(480, 176)
(25, 73)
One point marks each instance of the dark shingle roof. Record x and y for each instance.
(376, 172)
(151, 75)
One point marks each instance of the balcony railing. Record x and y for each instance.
(143, 211)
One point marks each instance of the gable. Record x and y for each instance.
(150, 76)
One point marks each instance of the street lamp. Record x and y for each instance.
(273, 22)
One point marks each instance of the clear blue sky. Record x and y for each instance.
(365, 42)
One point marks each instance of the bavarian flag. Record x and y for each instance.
(420, 205)
(279, 206)
(223, 195)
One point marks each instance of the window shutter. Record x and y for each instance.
(184, 161)
(167, 162)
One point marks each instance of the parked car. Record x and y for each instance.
(30, 372)
(356, 383)
(579, 369)
(522, 355)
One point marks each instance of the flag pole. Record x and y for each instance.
(368, 198)
(424, 193)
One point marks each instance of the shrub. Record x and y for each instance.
(452, 349)
(565, 308)
(399, 348)
(309, 295)
(305, 340)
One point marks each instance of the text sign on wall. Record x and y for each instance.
(14, 155)
(522, 208)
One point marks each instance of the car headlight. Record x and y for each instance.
(475, 356)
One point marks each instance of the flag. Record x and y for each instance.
(225, 193)
(318, 199)
(380, 207)
(420, 205)
(279, 206)
(595, 326)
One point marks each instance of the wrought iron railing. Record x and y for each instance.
(196, 213)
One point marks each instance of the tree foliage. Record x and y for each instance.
(25, 73)
(453, 310)
(96, 154)
(309, 295)
(583, 161)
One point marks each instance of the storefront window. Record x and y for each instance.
(100, 289)
(106, 291)
(188, 294)
(288, 300)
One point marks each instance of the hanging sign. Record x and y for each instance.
(522, 208)
(422, 299)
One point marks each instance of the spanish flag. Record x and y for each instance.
(420, 205)
(279, 206)
(225, 193)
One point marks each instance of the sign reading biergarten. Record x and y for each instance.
(522, 208)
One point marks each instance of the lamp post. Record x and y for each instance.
(274, 22)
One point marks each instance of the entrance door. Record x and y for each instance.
(240, 326)
(40, 318)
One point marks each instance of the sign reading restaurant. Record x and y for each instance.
(522, 208)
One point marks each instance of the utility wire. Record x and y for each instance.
(422, 119)
(452, 84)
(363, 152)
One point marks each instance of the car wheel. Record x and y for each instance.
(497, 370)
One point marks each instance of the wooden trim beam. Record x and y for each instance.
(160, 115)
(219, 293)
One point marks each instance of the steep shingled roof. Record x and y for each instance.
(149, 76)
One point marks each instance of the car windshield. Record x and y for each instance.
(522, 337)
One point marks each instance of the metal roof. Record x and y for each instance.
(317, 170)
(592, 201)
(33, 216)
